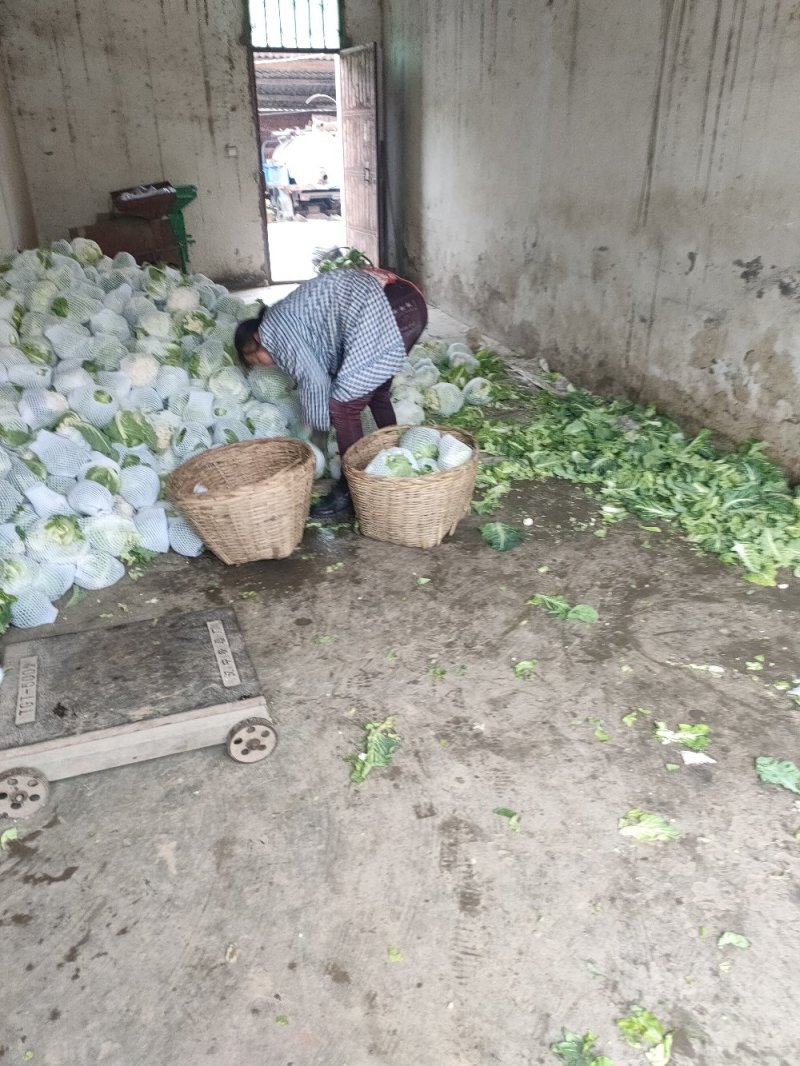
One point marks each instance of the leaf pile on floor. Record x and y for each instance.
(645, 826)
(558, 606)
(737, 505)
(380, 743)
(576, 1050)
(777, 772)
(642, 1030)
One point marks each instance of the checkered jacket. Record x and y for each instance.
(337, 337)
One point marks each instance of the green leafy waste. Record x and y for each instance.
(380, 743)
(500, 536)
(576, 1050)
(643, 1031)
(736, 505)
(512, 816)
(643, 826)
(734, 940)
(6, 600)
(525, 669)
(778, 772)
(559, 606)
(695, 737)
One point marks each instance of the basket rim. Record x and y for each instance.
(348, 468)
(304, 457)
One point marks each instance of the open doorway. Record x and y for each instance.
(317, 123)
(301, 158)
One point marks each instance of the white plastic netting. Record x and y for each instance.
(46, 501)
(171, 381)
(230, 431)
(142, 398)
(41, 408)
(115, 382)
(30, 375)
(70, 376)
(96, 406)
(32, 608)
(11, 543)
(90, 498)
(54, 579)
(139, 485)
(183, 539)
(111, 533)
(190, 439)
(10, 499)
(98, 570)
(269, 383)
(59, 455)
(110, 322)
(151, 523)
(63, 485)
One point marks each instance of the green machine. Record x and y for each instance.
(156, 203)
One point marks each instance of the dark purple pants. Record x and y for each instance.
(411, 314)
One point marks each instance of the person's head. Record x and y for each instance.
(248, 345)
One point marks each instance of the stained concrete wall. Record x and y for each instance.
(16, 218)
(613, 185)
(106, 95)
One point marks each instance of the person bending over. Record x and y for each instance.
(342, 336)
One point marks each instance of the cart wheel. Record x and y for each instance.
(251, 740)
(23, 792)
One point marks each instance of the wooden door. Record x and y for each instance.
(358, 104)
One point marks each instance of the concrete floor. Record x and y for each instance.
(192, 910)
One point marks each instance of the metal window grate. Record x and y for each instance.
(295, 25)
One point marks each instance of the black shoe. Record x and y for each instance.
(334, 503)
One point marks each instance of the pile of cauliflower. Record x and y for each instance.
(111, 375)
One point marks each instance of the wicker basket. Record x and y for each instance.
(416, 511)
(256, 506)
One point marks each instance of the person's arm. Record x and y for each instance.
(314, 391)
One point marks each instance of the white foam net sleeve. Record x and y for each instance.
(183, 539)
(107, 352)
(32, 608)
(151, 523)
(95, 406)
(115, 382)
(59, 455)
(11, 543)
(90, 498)
(69, 376)
(190, 439)
(230, 431)
(110, 323)
(21, 475)
(117, 299)
(98, 570)
(111, 533)
(45, 542)
(70, 343)
(41, 408)
(10, 500)
(46, 502)
(139, 485)
(171, 380)
(63, 485)
(199, 407)
(54, 578)
(269, 384)
(30, 375)
(17, 574)
(142, 398)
